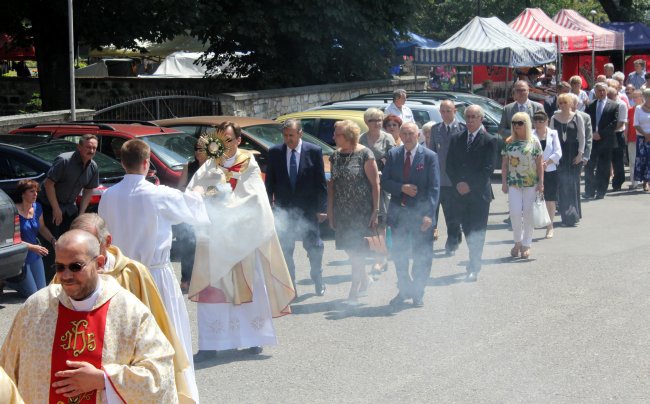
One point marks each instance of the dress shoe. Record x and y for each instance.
(418, 302)
(319, 289)
(587, 196)
(600, 196)
(202, 356)
(185, 287)
(471, 277)
(397, 300)
(255, 350)
(450, 253)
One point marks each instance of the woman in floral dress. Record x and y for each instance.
(353, 201)
(522, 176)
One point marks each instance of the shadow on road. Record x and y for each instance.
(230, 356)
(342, 312)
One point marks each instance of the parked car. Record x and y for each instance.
(258, 135)
(320, 123)
(27, 157)
(12, 249)
(170, 149)
(423, 110)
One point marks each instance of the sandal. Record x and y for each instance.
(646, 187)
(515, 250)
(525, 252)
(549, 232)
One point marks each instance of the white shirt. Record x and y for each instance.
(553, 149)
(139, 215)
(405, 114)
(298, 150)
(642, 119)
(622, 113)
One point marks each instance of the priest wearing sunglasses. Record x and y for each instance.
(87, 338)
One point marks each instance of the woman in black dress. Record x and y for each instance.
(571, 130)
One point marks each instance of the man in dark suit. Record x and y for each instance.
(412, 176)
(521, 104)
(605, 121)
(470, 163)
(295, 183)
(440, 139)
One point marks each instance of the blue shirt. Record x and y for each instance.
(29, 231)
(637, 80)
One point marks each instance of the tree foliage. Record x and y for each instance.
(293, 42)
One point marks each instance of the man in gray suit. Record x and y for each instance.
(439, 140)
(521, 104)
(588, 128)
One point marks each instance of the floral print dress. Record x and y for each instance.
(522, 167)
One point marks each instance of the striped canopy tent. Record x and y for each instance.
(604, 39)
(533, 23)
(487, 41)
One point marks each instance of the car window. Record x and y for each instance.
(309, 125)
(13, 168)
(194, 130)
(173, 149)
(326, 130)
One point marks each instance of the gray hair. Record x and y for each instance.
(93, 224)
(608, 66)
(87, 137)
(373, 113)
(646, 94)
(574, 98)
(427, 126)
(291, 124)
(477, 108)
(399, 93)
(601, 85)
(620, 76)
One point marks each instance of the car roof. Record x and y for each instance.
(133, 129)
(242, 121)
(325, 113)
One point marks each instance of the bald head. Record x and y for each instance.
(75, 238)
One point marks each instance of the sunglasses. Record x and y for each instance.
(518, 123)
(74, 267)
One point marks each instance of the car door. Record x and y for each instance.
(14, 168)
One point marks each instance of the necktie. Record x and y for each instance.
(470, 139)
(405, 174)
(447, 130)
(599, 111)
(522, 108)
(293, 169)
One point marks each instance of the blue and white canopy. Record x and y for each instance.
(487, 41)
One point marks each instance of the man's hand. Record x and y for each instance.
(596, 136)
(199, 190)
(321, 217)
(426, 223)
(462, 188)
(57, 216)
(83, 378)
(410, 190)
(504, 188)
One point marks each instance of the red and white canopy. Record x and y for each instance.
(534, 24)
(604, 39)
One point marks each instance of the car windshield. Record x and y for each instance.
(173, 149)
(107, 166)
(270, 135)
(490, 107)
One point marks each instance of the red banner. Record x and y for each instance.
(580, 64)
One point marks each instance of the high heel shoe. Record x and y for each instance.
(525, 252)
(515, 250)
(549, 232)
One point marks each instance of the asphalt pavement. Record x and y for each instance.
(569, 325)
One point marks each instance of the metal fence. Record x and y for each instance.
(160, 106)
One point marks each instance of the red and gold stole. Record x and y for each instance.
(79, 337)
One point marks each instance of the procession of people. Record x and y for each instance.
(113, 323)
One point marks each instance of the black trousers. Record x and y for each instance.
(597, 171)
(308, 231)
(186, 247)
(618, 161)
(56, 231)
(473, 214)
(454, 235)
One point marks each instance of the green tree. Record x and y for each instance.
(96, 23)
(293, 42)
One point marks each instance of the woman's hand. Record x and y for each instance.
(374, 220)
(38, 249)
(578, 159)
(504, 188)
(540, 187)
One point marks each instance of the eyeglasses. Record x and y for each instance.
(74, 267)
(518, 123)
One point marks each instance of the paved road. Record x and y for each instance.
(570, 325)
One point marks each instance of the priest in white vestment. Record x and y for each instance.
(240, 278)
(139, 215)
(87, 340)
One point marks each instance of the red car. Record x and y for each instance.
(170, 148)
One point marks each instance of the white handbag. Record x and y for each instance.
(540, 213)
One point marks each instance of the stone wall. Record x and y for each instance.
(95, 93)
(10, 122)
(273, 103)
